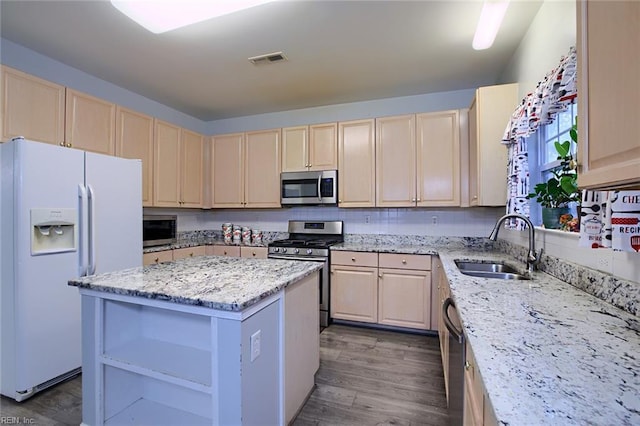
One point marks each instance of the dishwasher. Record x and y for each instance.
(456, 362)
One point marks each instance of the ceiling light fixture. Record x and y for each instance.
(159, 16)
(489, 23)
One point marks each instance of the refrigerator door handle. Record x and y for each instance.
(82, 265)
(92, 230)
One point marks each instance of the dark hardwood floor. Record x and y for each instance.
(366, 377)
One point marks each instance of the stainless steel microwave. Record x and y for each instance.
(158, 230)
(309, 188)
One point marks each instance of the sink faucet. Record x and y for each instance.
(533, 258)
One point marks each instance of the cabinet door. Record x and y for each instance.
(90, 123)
(356, 164)
(323, 146)
(227, 171)
(166, 162)
(262, 169)
(438, 158)
(609, 89)
(191, 169)
(231, 251)
(473, 391)
(295, 155)
(473, 154)
(188, 252)
(396, 161)
(354, 293)
(254, 252)
(134, 139)
(404, 298)
(157, 257)
(493, 106)
(31, 107)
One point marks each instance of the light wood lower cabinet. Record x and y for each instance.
(157, 257)
(254, 252)
(443, 332)
(478, 410)
(221, 250)
(392, 290)
(189, 252)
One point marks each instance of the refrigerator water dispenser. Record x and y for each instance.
(53, 231)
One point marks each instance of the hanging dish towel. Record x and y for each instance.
(625, 220)
(610, 219)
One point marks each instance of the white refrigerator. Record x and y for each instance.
(64, 213)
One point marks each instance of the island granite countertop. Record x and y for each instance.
(224, 283)
(548, 353)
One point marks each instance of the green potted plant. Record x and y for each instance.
(560, 189)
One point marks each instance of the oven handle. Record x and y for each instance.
(310, 259)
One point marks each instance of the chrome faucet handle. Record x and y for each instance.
(533, 259)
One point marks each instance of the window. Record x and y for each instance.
(543, 155)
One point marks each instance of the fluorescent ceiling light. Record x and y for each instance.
(489, 23)
(159, 16)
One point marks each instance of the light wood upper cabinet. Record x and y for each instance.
(356, 163)
(246, 170)
(310, 148)
(438, 159)
(166, 171)
(31, 107)
(396, 161)
(488, 116)
(323, 146)
(262, 169)
(608, 93)
(90, 123)
(134, 139)
(295, 149)
(227, 154)
(191, 169)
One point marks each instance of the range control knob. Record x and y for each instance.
(284, 249)
(276, 249)
(309, 251)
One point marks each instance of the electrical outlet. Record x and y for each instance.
(255, 345)
(604, 263)
(434, 220)
(367, 219)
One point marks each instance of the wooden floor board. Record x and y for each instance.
(366, 377)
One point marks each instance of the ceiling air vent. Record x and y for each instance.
(268, 58)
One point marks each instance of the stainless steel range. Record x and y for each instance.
(310, 240)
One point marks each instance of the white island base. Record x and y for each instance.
(152, 362)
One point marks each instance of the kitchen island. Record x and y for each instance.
(207, 340)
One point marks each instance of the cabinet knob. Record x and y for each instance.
(418, 199)
(467, 365)
(191, 254)
(475, 197)
(225, 253)
(380, 275)
(157, 259)
(413, 200)
(339, 201)
(353, 259)
(69, 145)
(61, 143)
(253, 254)
(404, 262)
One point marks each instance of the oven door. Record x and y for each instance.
(323, 283)
(309, 188)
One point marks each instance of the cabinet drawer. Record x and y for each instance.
(356, 258)
(405, 261)
(233, 251)
(188, 252)
(254, 252)
(157, 257)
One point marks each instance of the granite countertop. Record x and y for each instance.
(224, 283)
(548, 353)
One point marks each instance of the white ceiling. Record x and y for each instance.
(338, 51)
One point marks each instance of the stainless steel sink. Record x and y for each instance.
(494, 270)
